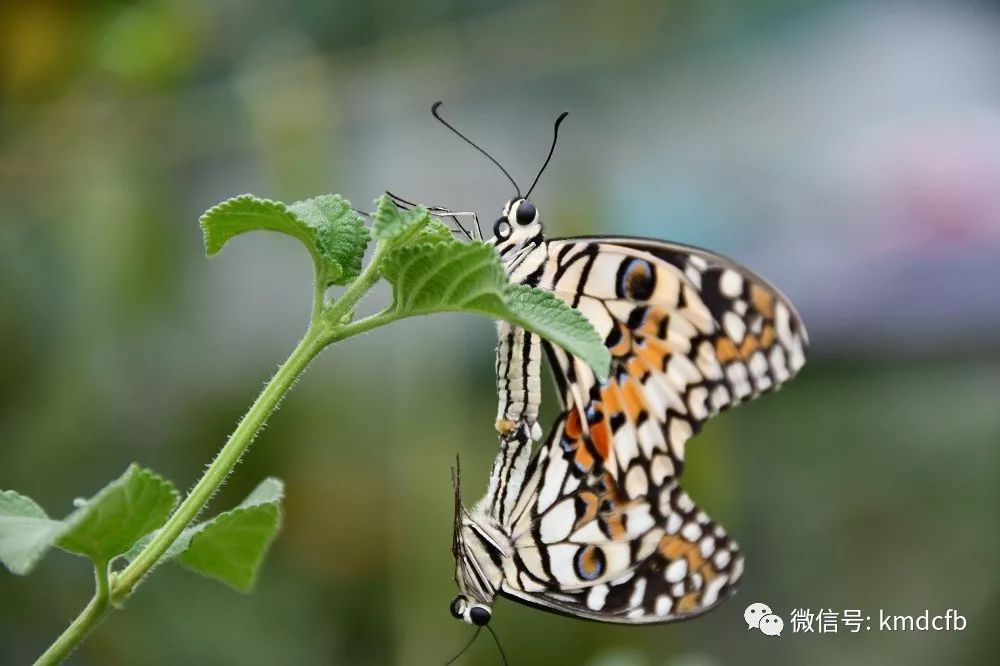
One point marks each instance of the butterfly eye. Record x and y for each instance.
(526, 213)
(502, 229)
(457, 607)
(479, 616)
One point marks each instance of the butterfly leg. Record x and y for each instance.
(439, 211)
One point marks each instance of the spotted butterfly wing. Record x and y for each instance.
(594, 523)
(690, 333)
(581, 547)
(602, 529)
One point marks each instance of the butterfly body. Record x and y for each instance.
(594, 523)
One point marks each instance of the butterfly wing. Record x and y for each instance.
(602, 530)
(691, 333)
(581, 547)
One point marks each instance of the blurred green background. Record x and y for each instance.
(850, 151)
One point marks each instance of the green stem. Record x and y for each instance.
(315, 339)
(372, 274)
(85, 621)
(328, 324)
(364, 325)
(319, 296)
(239, 441)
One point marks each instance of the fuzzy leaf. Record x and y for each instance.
(434, 231)
(249, 213)
(389, 223)
(341, 236)
(552, 318)
(334, 235)
(231, 546)
(25, 532)
(109, 523)
(399, 227)
(456, 277)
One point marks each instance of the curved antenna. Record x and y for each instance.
(497, 641)
(434, 112)
(555, 137)
(467, 646)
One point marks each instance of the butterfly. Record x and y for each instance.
(592, 522)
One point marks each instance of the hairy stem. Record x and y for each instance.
(372, 274)
(328, 324)
(125, 582)
(239, 441)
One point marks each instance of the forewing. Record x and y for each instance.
(691, 333)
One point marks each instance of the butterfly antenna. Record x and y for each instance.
(555, 137)
(467, 646)
(434, 112)
(497, 641)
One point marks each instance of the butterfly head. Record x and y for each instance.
(478, 549)
(469, 611)
(475, 547)
(518, 225)
(476, 573)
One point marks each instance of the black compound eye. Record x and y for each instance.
(479, 616)
(502, 229)
(525, 212)
(457, 606)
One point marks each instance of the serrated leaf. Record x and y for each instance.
(109, 523)
(25, 532)
(456, 277)
(559, 323)
(389, 223)
(231, 546)
(341, 236)
(332, 232)
(434, 231)
(249, 213)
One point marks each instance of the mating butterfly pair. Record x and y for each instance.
(594, 523)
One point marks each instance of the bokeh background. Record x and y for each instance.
(850, 151)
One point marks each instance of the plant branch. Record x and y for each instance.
(319, 294)
(307, 349)
(345, 304)
(387, 316)
(111, 593)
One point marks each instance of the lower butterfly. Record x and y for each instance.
(592, 522)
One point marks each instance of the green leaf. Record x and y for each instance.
(25, 532)
(552, 318)
(434, 231)
(332, 232)
(456, 277)
(249, 213)
(231, 546)
(341, 236)
(109, 523)
(389, 223)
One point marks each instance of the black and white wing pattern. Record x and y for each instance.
(690, 333)
(581, 547)
(601, 528)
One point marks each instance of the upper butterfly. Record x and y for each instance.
(594, 524)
